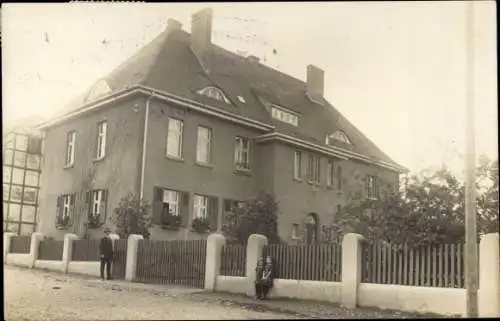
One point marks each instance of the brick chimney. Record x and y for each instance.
(173, 24)
(315, 83)
(201, 34)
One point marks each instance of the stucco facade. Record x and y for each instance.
(272, 169)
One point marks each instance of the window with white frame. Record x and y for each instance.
(200, 206)
(66, 205)
(337, 136)
(242, 153)
(330, 172)
(284, 116)
(372, 187)
(214, 93)
(174, 137)
(172, 199)
(97, 200)
(102, 128)
(313, 169)
(204, 144)
(70, 148)
(297, 165)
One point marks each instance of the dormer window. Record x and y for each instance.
(337, 136)
(214, 93)
(284, 116)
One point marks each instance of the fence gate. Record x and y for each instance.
(120, 260)
(172, 262)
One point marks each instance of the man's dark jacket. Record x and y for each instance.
(106, 248)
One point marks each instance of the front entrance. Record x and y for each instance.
(172, 262)
(312, 226)
(120, 260)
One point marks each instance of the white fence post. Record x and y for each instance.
(489, 276)
(36, 238)
(255, 246)
(215, 242)
(351, 269)
(132, 246)
(7, 237)
(68, 250)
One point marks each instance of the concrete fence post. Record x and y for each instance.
(255, 247)
(36, 238)
(7, 237)
(68, 250)
(132, 246)
(351, 268)
(215, 242)
(489, 276)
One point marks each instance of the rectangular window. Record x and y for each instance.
(21, 142)
(242, 153)
(295, 231)
(96, 202)
(172, 199)
(297, 165)
(102, 129)
(33, 161)
(31, 178)
(200, 206)
(313, 169)
(372, 187)
(230, 207)
(174, 137)
(330, 172)
(7, 174)
(6, 191)
(339, 178)
(67, 202)
(16, 193)
(8, 154)
(284, 116)
(70, 148)
(29, 195)
(204, 144)
(19, 158)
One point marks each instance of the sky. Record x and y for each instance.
(396, 70)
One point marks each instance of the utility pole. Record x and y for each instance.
(471, 266)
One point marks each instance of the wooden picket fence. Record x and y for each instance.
(172, 262)
(233, 260)
(85, 250)
(317, 262)
(50, 250)
(432, 266)
(20, 244)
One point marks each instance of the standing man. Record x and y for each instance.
(106, 254)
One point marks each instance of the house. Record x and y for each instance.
(21, 150)
(196, 129)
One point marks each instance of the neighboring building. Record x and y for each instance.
(21, 151)
(193, 127)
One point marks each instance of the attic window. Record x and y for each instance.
(284, 116)
(339, 136)
(214, 93)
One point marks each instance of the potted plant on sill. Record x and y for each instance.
(94, 221)
(170, 221)
(62, 222)
(201, 225)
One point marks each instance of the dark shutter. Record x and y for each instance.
(59, 208)
(213, 212)
(71, 212)
(88, 202)
(157, 204)
(103, 207)
(184, 209)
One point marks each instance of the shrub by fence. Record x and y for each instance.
(433, 266)
(172, 262)
(85, 250)
(20, 244)
(233, 260)
(318, 262)
(50, 250)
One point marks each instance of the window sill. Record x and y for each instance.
(169, 227)
(206, 165)
(298, 180)
(62, 228)
(175, 158)
(68, 166)
(199, 232)
(330, 187)
(372, 198)
(96, 160)
(244, 172)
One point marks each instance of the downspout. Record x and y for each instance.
(144, 145)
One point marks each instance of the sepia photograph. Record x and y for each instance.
(260, 160)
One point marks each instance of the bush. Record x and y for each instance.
(131, 217)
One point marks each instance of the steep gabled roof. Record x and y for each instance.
(169, 65)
